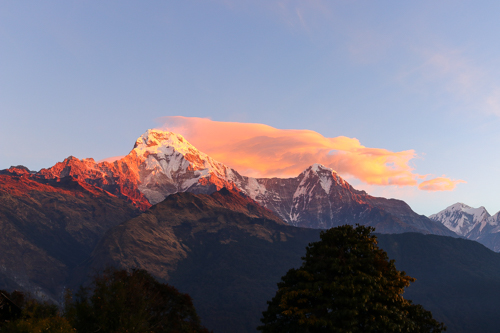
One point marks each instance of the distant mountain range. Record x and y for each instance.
(472, 223)
(162, 163)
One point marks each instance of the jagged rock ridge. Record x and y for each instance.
(472, 223)
(162, 163)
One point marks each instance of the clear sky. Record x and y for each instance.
(414, 79)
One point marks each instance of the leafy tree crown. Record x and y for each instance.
(346, 284)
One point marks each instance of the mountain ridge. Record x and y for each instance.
(472, 223)
(49, 227)
(163, 163)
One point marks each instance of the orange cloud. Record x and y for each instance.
(263, 151)
(440, 184)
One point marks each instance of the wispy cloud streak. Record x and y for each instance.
(459, 77)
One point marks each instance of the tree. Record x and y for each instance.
(123, 301)
(345, 284)
(10, 306)
(32, 316)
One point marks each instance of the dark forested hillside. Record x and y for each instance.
(231, 282)
(457, 280)
(228, 254)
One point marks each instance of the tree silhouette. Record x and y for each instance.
(346, 284)
(123, 301)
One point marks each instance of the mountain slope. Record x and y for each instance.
(229, 254)
(48, 227)
(458, 280)
(320, 198)
(163, 163)
(225, 250)
(159, 235)
(119, 178)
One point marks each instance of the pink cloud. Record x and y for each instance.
(440, 184)
(263, 151)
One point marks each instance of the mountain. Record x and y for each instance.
(50, 226)
(472, 223)
(462, 219)
(162, 232)
(163, 163)
(119, 178)
(320, 198)
(229, 253)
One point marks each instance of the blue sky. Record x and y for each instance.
(87, 78)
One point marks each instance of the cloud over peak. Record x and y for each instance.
(260, 150)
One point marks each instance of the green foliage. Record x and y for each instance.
(345, 284)
(131, 302)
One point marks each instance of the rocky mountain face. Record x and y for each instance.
(320, 198)
(50, 226)
(162, 163)
(472, 223)
(119, 178)
(158, 239)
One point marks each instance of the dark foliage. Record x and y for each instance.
(122, 301)
(10, 306)
(346, 284)
(29, 315)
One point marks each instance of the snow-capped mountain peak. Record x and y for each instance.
(327, 176)
(172, 151)
(317, 167)
(169, 155)
(462, 219)
(324, 174)
(156, 141)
